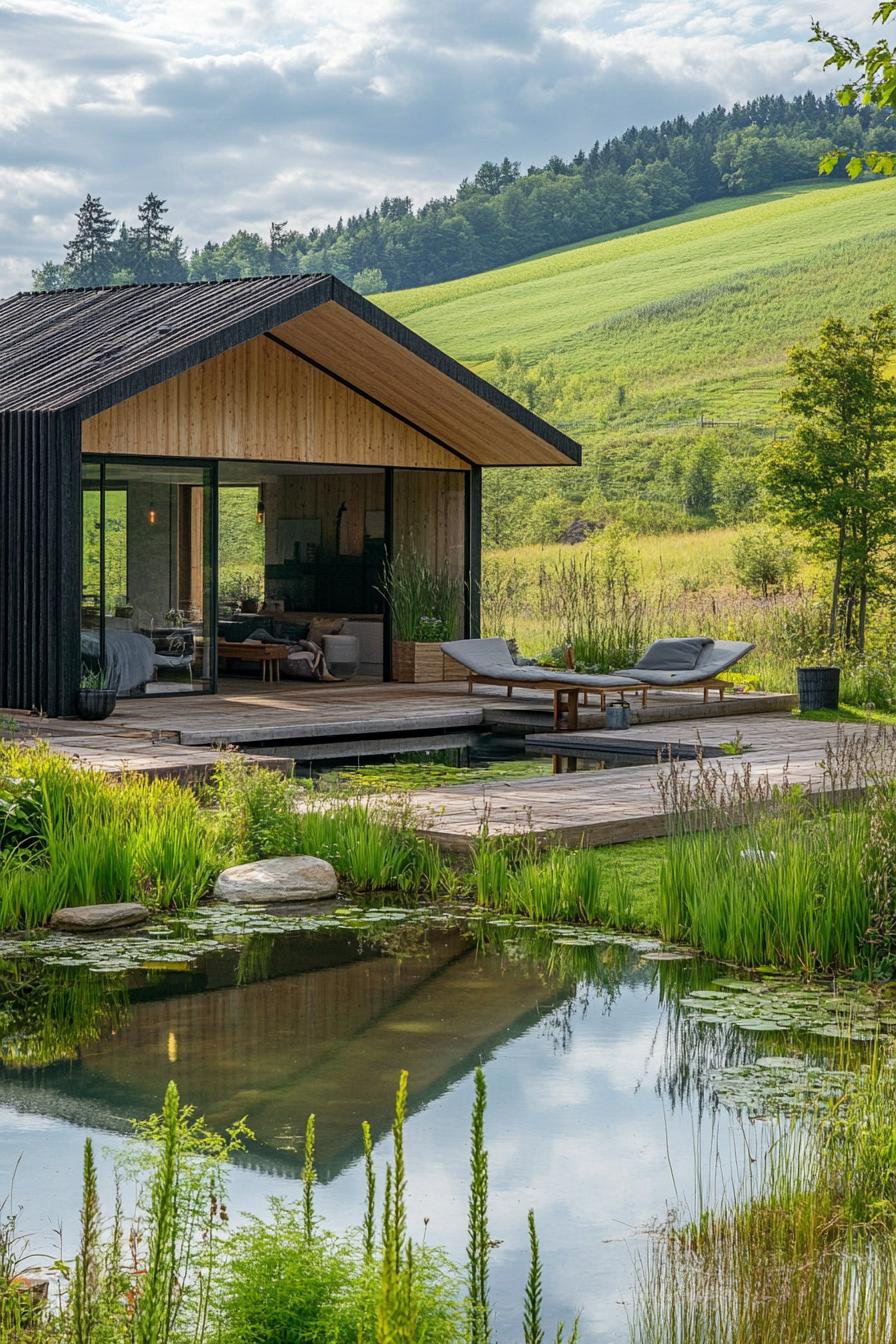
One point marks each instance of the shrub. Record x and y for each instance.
(256, 813)
(764, 560)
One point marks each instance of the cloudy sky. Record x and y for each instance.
(243, 111)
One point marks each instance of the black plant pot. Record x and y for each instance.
(818, 687)
(95, 704)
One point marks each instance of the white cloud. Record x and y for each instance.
(250, 110)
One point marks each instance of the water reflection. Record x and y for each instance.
(597, 1080)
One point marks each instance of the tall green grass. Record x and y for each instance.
(555, 884)
(71, 836)
(770, 876)
(803, 1251)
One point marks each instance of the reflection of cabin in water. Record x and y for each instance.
(327, 1031)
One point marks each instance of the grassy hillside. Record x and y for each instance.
(674, 320)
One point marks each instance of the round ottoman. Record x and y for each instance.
(342, 654)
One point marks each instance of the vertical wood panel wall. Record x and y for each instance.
(40, 561)
(429, 516)
(260, 402)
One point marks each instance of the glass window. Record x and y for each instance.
(147, 608)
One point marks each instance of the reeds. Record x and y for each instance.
(81, 837)
(767, 875)
(513, 876)
(804, 1252)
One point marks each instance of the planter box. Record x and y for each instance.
(95, 704)
(818, 687)
(423, 662)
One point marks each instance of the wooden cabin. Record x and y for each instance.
(153, 436)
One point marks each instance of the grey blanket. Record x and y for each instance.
(129, 658)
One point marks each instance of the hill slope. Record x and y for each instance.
(670, 322)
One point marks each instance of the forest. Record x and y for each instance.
(501, 213)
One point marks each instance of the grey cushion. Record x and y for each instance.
(673, 655)
(715, 658)
(492, 658)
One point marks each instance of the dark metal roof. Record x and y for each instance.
(86, 349)
(59, 347)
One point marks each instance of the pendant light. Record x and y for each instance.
(259, 508)
(152, 516)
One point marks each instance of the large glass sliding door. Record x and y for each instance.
(148, 592)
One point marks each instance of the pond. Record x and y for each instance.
(604, 1062)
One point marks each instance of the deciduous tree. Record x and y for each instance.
(835, 477)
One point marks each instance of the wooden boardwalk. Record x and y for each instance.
(597, 807)
(181, 736)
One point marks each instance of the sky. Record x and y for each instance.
(243, 111)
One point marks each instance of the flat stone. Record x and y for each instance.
(107, 915)
(298, 877)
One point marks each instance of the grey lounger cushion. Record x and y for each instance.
(492, 658)
(715, 656)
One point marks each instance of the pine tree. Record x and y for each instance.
(159, 251)
(90, 256)
(278, 261)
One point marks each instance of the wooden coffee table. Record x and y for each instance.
(268, 655)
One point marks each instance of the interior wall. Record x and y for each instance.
(429, 519)
(320, 495)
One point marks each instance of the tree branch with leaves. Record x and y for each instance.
(873, 84)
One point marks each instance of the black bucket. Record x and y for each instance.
(818, 687)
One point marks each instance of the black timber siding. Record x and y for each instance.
(40, 560)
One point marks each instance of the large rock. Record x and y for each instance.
(300, 877)
(90, 918)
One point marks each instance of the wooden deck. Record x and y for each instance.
(280, 724)
(597, 807)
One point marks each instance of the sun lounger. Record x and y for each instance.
(695, 663)
(489, 662)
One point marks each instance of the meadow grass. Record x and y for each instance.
(695, 314)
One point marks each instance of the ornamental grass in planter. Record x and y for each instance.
(426, 603)
(96, 698)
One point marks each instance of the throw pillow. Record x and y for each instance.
(673, 655)
(324, 626)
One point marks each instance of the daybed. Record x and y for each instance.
(667, 664)
(490, 662)
(694, 662)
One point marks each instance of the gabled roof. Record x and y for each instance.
(87, 349)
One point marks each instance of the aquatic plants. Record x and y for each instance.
(804, 1251)
(74, 836)
(767, 875)
(277, 1279)
(511, 875)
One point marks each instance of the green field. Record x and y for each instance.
(688, 316)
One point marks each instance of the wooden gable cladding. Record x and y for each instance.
(258, 401)
(382, 368)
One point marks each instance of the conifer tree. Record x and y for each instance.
(90, 255)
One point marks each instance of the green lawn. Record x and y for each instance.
(689, 315)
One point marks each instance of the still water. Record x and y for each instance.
(599, 1087)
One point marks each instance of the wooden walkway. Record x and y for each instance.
(181, 736)
(598, 807)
